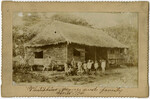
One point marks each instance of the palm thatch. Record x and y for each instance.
(55, 32)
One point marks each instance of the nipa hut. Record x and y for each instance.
(65, 41)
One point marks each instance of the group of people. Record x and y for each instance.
(78, 67)
(73, 67)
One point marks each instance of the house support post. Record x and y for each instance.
(66, 52)
(95, 52)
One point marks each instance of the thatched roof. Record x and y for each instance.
(55, 32)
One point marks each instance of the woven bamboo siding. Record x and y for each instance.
(57, 52)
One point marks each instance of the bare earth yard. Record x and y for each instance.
(116, 77)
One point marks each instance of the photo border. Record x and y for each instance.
(8, 90)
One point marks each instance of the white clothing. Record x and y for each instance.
(66, 68)
(89, 65)
(103, 66)
(85, 66)
(73, 63)
(96, 65)
(47, 61)
(79, 66)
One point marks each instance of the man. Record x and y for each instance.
(85, 67)
(66, 68)
(96, 66)
(73, 63)
(79, 64)
(31, 62)
(103, 65)
(89, 66)
(47, 62)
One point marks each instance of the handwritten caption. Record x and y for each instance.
(74, 91)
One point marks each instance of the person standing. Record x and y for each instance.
(103, 65)
(89, 66)
(66, 68)
(31, 62)
(85, 67)
(96, 66)
(47, 62)
(79, 64)
(73, 63)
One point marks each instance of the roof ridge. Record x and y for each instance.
(75, 24)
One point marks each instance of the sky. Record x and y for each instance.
(98, 20)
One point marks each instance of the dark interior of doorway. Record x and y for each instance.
(95, 53)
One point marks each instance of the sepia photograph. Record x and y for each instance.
(75, 49)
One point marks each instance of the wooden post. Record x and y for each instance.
(66, 52)
(95, 53)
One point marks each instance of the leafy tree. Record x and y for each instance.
(22, 34)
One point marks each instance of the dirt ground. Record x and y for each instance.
(114, 77)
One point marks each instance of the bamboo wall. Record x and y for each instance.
(57, 52)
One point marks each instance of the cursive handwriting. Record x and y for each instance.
(116, 90)
(35, 88)
(73, 91)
